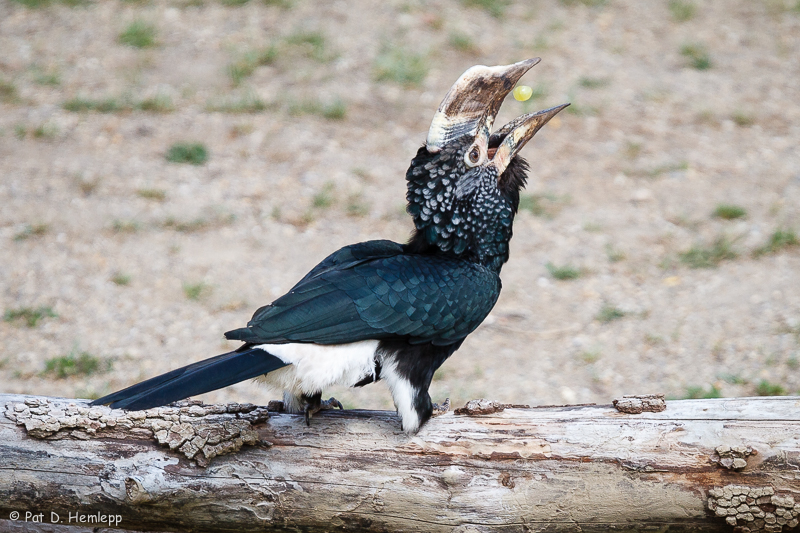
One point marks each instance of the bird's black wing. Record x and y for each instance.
(351, 255)
(374, 291)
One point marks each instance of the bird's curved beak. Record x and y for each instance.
(471, 105)
(517, 133)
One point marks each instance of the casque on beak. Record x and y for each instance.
(471, 105)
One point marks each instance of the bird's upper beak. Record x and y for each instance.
(471, 105)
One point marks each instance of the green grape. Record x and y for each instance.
(522, 93)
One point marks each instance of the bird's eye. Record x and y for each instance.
(473, 156)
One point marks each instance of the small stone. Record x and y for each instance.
(739, 463)
(731, 520)
(642, 195)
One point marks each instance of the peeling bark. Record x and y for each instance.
(510, 469)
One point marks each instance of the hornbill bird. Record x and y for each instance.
(380, 310)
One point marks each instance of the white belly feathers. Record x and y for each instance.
(314, 367)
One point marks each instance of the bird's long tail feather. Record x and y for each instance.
(197, 378)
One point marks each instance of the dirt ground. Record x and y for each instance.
(311, 111)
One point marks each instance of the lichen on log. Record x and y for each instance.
(195, 430)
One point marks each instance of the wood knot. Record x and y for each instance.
(507, 481)
(135, 491)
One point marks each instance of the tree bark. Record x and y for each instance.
(704, 465)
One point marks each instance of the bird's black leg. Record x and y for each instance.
(408, 370)
(314, 404)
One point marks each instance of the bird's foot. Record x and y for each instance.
(315, 407)
(439, 410)
(331, 403)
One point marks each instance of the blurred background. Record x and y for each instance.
(168, 166)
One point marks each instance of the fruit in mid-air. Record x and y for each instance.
(522, 93)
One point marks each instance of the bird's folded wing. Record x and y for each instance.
(356, 297)
(351, 255)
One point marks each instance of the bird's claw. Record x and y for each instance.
(330, 403)
(439, 410)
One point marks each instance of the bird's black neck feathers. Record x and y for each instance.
(467, 213)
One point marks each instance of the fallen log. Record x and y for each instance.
(704, 465)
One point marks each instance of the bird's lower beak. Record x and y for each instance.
(514, 135)
(471, 104)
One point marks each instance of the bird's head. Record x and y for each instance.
(464, 183)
